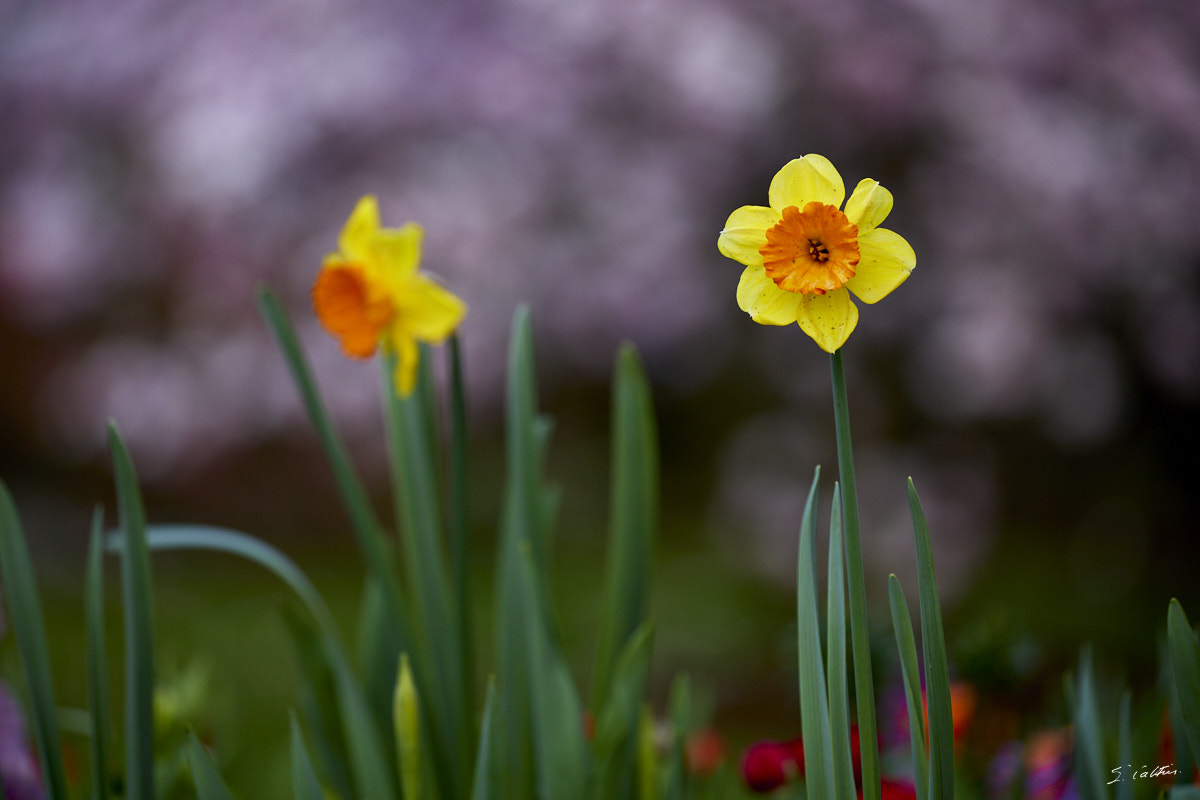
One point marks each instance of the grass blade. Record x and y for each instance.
(633, 518)
(937, 671)
(860, 630)
(1185, 671)
(457, 517)
(488, 783)
(814, 709)
(97, 660)
(367, 530)
(1090, 774)
(907, 646)
(615, 744)
(29, 628)
(680, 709)
(436, 656)
(371, 771)
(205, 777)
(305, 785)
(139, 632)
(1124, 789)
(839, 701)
(560, 753)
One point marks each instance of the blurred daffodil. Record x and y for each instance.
(369, 294)
(804, 255)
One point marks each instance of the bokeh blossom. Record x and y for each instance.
(370, 294)
(804, 255)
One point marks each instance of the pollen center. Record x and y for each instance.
(813, 251)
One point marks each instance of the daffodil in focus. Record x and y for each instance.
(369, 294)
(804, 255)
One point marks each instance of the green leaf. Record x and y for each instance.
(524, 528)
(372, 774)
(305, 785)
(436, 656)
(814, 709)
(97, 660)
(29, 628)
(1090, 772)
(1185, 671)
(1124, 790)
(139, 632)
(906, 644)
(488, 783)
(633, 517)
(839, 701)
(937, 671)
(560, 752)
(374, 547)
(457, 518)
(860, 629)
(615, 743)
(407, 726)
(680, 710)
(209, 785)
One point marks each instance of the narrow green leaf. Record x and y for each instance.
(679, 704)
(633, 517)
(305, 785)
(372, 774)
(99, 706)
(1091, 774)
(560, 752)
(839, 699)
(139, 631)
(436, 656)
(524, 528)
(205, 777)
(615, 743)
(369, 533)
(647, 758)
(814, 708)
(457, 518)
(1185, 760)
(489, 781)
(860, 629)
(1185, 671)
(1124, 790)
(907, 646)
(378, 649)
(29, 628)
(937, 671)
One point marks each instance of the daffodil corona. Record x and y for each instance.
(804, 255)
(369, 294)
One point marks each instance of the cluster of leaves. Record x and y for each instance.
(405, 722)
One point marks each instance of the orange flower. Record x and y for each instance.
(370, 294)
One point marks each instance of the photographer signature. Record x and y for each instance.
(1135, 774)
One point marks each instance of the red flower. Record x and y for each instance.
(768, 765)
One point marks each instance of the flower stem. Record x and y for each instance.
(864, 687)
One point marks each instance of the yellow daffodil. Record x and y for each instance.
(370, 294)
(804, 255)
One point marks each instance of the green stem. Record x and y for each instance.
(864, 687)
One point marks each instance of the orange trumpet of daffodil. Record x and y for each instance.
(369, 294)
(805, 255)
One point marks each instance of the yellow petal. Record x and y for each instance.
(765, 302)
(404, 375)
(428, 311)
(869, 205)
(885, 263)
(803, 180)
(828, 318)
(746, 232)
(355, 238)
(395, 253)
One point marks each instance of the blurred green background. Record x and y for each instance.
(1038, 376)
